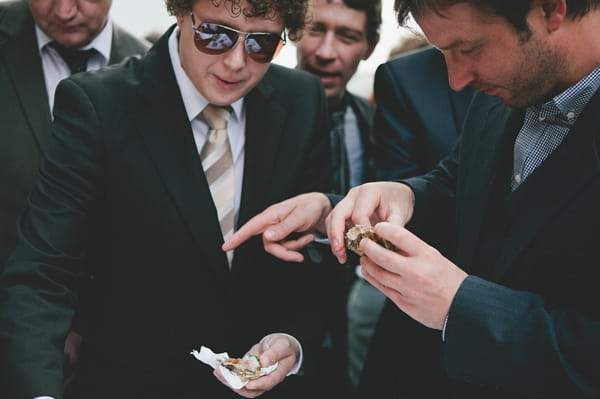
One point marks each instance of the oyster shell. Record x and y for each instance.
(246, 368)
(358, 232)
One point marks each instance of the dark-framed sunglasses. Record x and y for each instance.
(218, 39)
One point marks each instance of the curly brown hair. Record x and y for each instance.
(292, 13)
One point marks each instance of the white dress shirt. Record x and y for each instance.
(194, 103)
(55, 68)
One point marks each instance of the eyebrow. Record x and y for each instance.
(460, 43)
(346, 30)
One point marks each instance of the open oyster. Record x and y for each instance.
(358, 232)
(246, 368)
(237, 372)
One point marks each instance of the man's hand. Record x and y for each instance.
(275, 348)
(72, 348)
(368, 204)
(304, 213)
(418, 279)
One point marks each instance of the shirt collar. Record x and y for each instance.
(193, 101)
(101, 43)
(569, 104)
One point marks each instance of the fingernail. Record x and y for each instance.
(269, 234)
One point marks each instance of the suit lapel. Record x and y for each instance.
(116, 55)
(553, 185)
(476, 173)
(459, 101)
(265, 118)
(123, 46)
(19, 53)
(170, 143)
(446, 119)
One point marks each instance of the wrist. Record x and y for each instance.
(325, 209)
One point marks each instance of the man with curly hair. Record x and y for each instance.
(131, 182)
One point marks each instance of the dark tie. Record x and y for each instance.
(76, 59)
(339, 158)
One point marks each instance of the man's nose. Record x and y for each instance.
(327, 48)
(235, 58)
(460, 74)
(65, 9)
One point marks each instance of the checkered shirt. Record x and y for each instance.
(546, 126)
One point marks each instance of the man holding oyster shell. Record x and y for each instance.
(515, 314)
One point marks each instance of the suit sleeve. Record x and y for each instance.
(38, 288)
(435, 201)
(513, 340)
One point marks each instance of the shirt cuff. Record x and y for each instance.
(444, 328)
(298, 364)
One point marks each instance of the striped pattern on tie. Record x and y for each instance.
(217, 163)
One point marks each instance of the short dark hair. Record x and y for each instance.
(514, 11)
(293, 13)
(373, 10)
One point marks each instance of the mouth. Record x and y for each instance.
(227, 83)
(67, 28)
(326, 77)
(489, 90)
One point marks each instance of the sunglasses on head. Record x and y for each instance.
(218, 39)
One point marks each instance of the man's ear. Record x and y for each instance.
(179, 18)
(555, 12)
(369, 51)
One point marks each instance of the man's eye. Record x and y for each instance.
(316, 29)
(470, 50)
(350, 38)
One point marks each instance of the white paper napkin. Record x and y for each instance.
(215, 360)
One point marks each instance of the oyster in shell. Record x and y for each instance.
(358, 232)
(246, 368)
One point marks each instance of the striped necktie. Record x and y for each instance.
(217, 163)
(339, 156)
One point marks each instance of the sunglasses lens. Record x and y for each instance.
(214, 39)
(217, 39)
(262, 47)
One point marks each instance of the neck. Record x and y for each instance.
(581, 44)
(336, 103)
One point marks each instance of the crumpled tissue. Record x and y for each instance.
(215, 360)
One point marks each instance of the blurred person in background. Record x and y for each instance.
(340, 35)
(41, 43)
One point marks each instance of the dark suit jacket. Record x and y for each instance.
(24, 110)
(121, 183)
(418, 117)
(526, 323)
